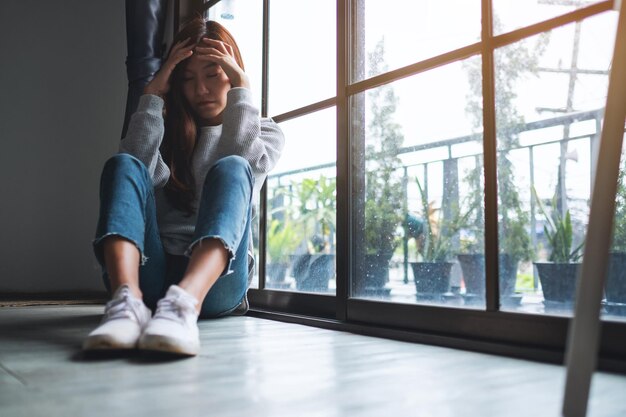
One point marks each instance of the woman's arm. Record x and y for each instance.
(243, 132)
(144, 136)
(146, 128)
(258, 141)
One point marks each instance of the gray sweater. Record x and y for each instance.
(242, 132)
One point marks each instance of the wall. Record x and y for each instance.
(62, 97)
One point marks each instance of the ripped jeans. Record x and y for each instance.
(128, 209)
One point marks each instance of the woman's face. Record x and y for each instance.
(205, 86)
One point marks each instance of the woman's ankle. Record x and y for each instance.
(134, 288)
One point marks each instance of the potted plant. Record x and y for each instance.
(471, 257)
(317, 213)
(513, 239)
(558, 275)
(282, 240)
(513, 247)
(434, 244)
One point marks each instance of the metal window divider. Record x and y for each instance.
(490, 160)
(264, 111)
(343, 263)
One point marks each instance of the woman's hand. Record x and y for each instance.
(160, 84)
(222, 54)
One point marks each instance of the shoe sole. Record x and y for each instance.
(106, 343)
(166, 344)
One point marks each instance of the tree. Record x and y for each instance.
(383, 192)
(512, 63)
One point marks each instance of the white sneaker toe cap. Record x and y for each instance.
(115, 334)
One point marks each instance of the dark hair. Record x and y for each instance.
(180, 124)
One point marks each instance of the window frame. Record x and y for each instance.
(539, 337)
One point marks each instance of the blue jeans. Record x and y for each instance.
(128, 209)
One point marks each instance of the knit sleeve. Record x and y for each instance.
(144, 137)
(244, 133)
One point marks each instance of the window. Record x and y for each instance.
(551, 107)
(301, 225)
(417, 144)
(302, 54)
(432, 154)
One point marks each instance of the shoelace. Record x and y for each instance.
(174, 308)
(122, 307)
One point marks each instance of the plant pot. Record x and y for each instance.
(473, 267)
(615, 288)
(431, 277)
(375, 276)
(300, 265)
(312, 272)
(558, 281)
(507, 273)
(276, 272)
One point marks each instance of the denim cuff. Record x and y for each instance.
(229, 249)
(99, 252)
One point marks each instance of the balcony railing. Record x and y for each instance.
(534, 139)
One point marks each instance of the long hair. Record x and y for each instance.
(181, 127)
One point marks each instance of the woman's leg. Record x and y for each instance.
(230, 289)
(219, 248)
(121, 259)
(215, 271)
(205, 266)
(223, 219)
(125, 235)
(127, 243)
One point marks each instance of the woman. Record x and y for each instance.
(174, 229)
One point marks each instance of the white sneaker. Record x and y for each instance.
(174, 327)
(125, 317)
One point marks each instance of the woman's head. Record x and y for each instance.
(200, 84)
(197, 97)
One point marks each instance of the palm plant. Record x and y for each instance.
(559, 232)
(282, 240)
(317, 211)
(436, 241)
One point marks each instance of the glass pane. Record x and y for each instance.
(418, 194)
(514, 14)
(412, 31)
(301, 223)
(548, 116)
(256, 222)
(245, 21)
(614, 303)
(302, 62)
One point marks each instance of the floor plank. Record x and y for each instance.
(250, 366)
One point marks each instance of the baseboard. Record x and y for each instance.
(17, 299)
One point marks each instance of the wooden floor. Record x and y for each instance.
(254, 367)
